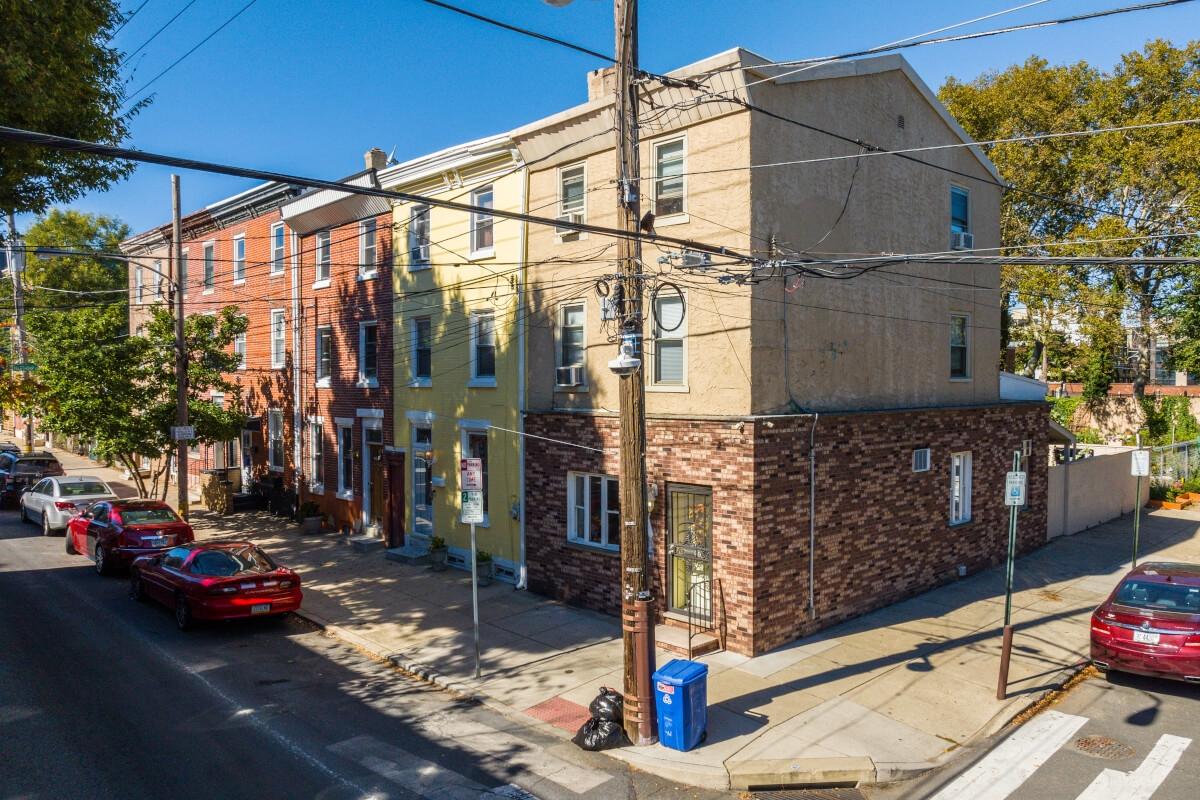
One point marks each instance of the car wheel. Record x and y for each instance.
(70, 545)
(183, 614)
(46, 525)
(102, 567)
(136, 590)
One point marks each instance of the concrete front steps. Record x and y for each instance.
(674, 639)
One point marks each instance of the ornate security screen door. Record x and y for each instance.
(689, 550)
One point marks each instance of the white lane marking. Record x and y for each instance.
(1016, 758)
(1140, 784)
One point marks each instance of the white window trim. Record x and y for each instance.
(953, 188)
(271, 412)
(580, 538)
(241, 237)
(318, 281)
(970, 346)
(578, 236)
(281, 361)
(277, 265)
(482, 252)
(363, 381)
(139, 283)
(558, 328)
(245, 348)
(204, 266)
(669, 219)
(158, 278)
(414, 382)
(342, 492)
(315, 488)
(479, 427)
(417, 266)
(486, 381)
(364, 273)
(968, 475)
(322, 383)
(652, 355)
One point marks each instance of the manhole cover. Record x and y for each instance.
(1103, 747)
(810, 794)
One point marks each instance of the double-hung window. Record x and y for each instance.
(239, 258)
(278, 339)
(323, 259)
(670, 343)
(345, 443)
(278, 243)
(483, 349)
(475, 445)
(422, 351)
(275, 440)
(960, 346)
(316, 449)
(210, 265)
(960, 210)
(960, 487)
(572, 200)
(183, 272)
(418, 237)
(239, 347)
(368, 354)
(324, 355)
(367, 249)
(593, 510)
(571, 344)
(138, 282)
(481, 222)
(158, 278)
(669, 181)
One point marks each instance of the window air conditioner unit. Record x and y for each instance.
(569, 376)
(575, 217)
(962, 240)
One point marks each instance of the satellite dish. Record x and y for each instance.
(392, 155)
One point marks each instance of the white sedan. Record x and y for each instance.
(53, 501)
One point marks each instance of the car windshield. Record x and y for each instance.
(33, 465)
(80, 489)
(1159, 596)
(224, 563)
(141, 516)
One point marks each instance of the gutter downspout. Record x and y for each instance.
(297, 441)
(522, 573)
(812, 517)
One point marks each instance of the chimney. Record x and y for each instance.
(602, 83)
(375, 158)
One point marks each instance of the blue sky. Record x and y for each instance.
(305, 87)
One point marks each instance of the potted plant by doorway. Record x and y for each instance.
(437, 553)
(483, 564)
(310, 517)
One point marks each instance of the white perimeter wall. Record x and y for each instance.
(1090, 491)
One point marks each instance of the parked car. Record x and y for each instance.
(115, 532)
(18, 470)
(1150, 624)
(53, 501)
(9, 447)
(215, 581)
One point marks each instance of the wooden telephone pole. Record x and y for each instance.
(637, 619)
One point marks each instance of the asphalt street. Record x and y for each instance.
(1123, 738)
(102, 697)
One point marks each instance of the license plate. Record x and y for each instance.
(1145, 638)
(154, 541)
(261, 608)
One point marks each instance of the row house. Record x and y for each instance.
(816, 448)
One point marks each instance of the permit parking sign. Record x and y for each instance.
(1141, 463)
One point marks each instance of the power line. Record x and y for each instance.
(523, 31)
(127, 20)
(153, 36)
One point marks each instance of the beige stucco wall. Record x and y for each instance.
(717, 380)
(1090, 491)
(874, 341)
(139, 312)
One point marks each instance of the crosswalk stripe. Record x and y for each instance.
(1140, 784)
(1011, 763)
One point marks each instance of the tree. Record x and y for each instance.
(64, 275)
(1123, 187)
(58, 75)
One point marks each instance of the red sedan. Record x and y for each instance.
(215, 580)
(115, 532)
(1150, 624)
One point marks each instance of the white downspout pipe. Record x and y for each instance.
(297, 428)
(522, 573)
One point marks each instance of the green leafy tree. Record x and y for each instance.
(68, 280)
(59, 75)
(1122, 186)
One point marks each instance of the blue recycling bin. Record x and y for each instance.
(681, 699)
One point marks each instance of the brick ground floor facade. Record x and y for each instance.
(733, 497)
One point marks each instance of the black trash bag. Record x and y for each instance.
(608, 705)
(600, 734)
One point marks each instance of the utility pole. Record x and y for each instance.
(181, 388)
(636, 605)
(17, 268)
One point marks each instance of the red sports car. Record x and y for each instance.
(1150, 624)
(115, 532)
(215, 580)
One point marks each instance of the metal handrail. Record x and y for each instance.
(692, 614)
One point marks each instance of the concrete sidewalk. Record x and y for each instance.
(880, 698)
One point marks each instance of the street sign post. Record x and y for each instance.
(24, 367)
(1014, 498)
(470, 473)
(183, 433)
(1139, 468)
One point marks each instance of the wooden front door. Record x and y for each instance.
(395, 499)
